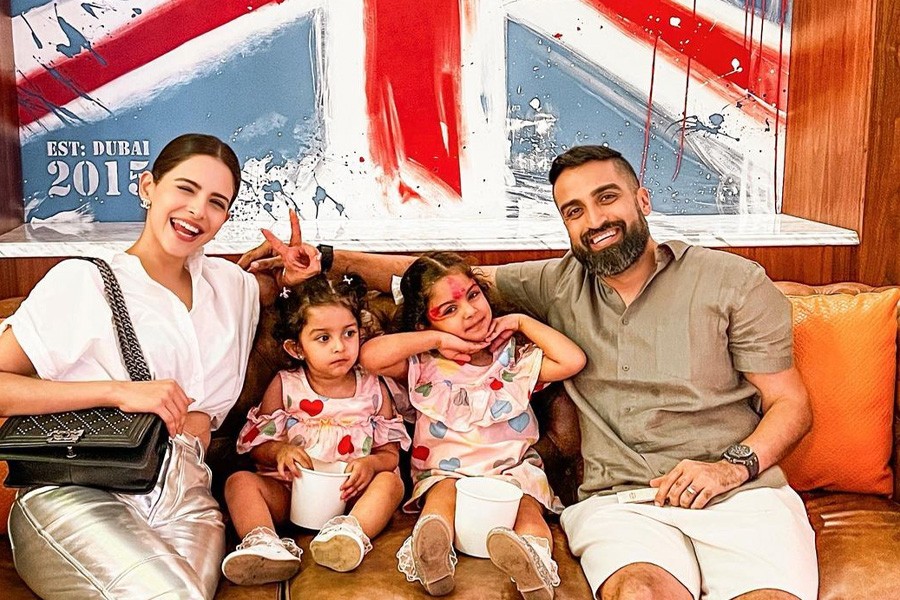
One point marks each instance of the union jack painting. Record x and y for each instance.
(357, 109)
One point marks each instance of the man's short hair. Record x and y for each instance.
(580, 155)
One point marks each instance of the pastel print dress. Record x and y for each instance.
(329, 429)
(477, 420)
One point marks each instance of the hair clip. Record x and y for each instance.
(395, 290)
(285, 292)
(348, 280)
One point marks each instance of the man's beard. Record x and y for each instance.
(618, 257)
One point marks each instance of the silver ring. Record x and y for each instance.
(690, 490)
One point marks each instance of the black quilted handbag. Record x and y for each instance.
(97, 447)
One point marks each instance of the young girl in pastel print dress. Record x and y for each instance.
(474, 417)
(329, 409)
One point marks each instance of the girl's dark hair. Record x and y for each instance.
(192, 144)
(294, 304)
(419, 279)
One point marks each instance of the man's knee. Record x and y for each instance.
(642, 581)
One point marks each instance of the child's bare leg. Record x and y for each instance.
(530, 520)
(524, 554)
(441, 500)
(430, 547)
(378, 502)
(340, 545)
(256, 501)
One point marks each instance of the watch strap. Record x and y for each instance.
(327, 257)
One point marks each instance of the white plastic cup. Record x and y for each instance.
(316, 494)
(483, 503)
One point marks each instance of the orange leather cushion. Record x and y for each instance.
(845, 350)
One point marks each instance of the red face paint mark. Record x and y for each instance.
(457, 291)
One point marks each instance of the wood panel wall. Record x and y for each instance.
(879, 254)
(11, 208)
(807, 264)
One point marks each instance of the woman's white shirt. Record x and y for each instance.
(65, 327)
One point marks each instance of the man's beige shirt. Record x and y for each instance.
(663, 380)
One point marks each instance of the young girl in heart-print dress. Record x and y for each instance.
(329, 409)
(474, 417)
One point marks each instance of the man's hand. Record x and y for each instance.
(692, 484)
(361, 474)
(299, 260)
(288, 456)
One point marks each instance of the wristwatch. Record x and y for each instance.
(327, 257)
(741, 454)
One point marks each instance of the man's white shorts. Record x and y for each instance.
(756, 539)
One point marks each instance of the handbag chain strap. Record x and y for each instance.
(132, 355)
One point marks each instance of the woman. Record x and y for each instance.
(195, 318)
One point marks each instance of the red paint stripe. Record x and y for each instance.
(152, 35)
(780, 97)
(649, 121)
(413, 76)
(710, 44)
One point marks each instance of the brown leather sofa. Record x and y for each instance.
(857, 536)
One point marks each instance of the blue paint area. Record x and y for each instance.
(590, 107)
(264, 103)
(89, 8)
(21, 6)
(77, 41)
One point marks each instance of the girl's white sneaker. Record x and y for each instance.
(262, 557)
(341, 544)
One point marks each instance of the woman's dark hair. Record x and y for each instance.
(293, 303)
(419, 279)
(192, 144)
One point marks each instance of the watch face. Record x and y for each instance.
(739, 451)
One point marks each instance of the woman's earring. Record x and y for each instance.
(145, 203)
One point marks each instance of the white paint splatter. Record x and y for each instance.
(535, 103)
(675, 22)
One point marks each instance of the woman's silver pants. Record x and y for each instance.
(78, 543)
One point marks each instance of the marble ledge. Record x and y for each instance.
(405, 235)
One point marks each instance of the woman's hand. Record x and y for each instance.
(502, 329)
(361, 474)
(286, 458)
(456, 348)
(163, 397)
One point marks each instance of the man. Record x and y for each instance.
(686, 346)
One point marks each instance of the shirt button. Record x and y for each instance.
(625, 367)
(629, 409)
(662, 471)
(625, 321)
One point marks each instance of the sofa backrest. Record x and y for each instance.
(560, 440)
